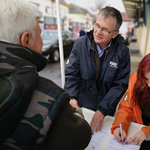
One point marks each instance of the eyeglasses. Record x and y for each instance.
(103, 30)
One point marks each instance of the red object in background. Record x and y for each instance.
(75, 34)
(69, 20)
(127, 34)
(53, 27)
(76, 31)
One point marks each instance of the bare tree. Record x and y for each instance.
(96, 7)
(99, 4)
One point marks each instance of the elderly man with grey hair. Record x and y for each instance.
(98, 68)
(34, 112)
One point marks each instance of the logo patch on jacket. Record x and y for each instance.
(67, 62)
(113, 64)
(125, 98)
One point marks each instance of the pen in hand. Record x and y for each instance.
(121, 131)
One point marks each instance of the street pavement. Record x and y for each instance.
(135, 56)
(53, 72)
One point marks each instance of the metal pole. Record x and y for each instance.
(60, 45)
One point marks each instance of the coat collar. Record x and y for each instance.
(11, 53)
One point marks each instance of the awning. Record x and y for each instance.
(136, 9)
(132, 6)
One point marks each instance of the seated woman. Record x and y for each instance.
(136, 105)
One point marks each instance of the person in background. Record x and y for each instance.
(98, 68)
(82, 32)
(135, 106)
(34, 112)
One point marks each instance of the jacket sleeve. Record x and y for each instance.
(124, 115)
(119, 85)
(146, 130)
(125, 112)
(72, 73)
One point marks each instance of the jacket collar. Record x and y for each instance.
(18, 67)
(16, 56)
(114, 43)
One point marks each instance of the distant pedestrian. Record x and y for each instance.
(82, 32)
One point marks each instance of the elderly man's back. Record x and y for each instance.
(30, 104)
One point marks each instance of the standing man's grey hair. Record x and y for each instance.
(111, 11)
(16, 17)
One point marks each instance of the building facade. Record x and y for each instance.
(47, 14)
(72, 17)
(140, 11)
(78, 19)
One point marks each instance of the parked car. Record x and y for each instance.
(50, 47)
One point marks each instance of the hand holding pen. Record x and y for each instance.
(117, 134)
(121, 132)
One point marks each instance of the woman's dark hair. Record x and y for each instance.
(141, 92)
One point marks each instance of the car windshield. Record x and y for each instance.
(47, 35)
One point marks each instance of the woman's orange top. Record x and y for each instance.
(127, 112)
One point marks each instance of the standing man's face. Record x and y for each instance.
(102, 28)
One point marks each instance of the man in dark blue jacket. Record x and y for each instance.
(98, 68)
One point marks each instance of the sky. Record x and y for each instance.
(118, 4)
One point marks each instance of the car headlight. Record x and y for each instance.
(44, 48)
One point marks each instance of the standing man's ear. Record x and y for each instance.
(25, 39)
(115, 34)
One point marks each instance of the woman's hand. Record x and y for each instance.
(138, 138)
(117, 135)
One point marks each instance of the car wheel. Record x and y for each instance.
(54, 57)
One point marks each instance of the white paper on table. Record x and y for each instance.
(113, 144)
(97, 139)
